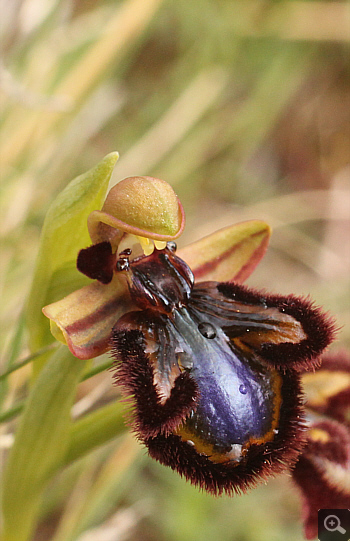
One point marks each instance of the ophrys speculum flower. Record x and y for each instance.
(212, 368)
(213, 371)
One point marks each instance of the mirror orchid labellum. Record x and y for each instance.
(212, 368)
(212, 371)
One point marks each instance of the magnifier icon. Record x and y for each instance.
(332, 524)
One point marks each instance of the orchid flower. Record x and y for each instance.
(213, 369)
(323, 468)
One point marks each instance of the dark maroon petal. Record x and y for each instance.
(323, 472)
(318, 326)
(338, 406)
(336, 361)
(135, 375)
(308, 329)
(261, 461)
(97, 262)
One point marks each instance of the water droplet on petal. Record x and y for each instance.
(207, 330)
(243, 389)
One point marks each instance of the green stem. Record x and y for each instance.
(95, 429)
(12, 412)
(40, 445)
(18, 408)
(28, 359)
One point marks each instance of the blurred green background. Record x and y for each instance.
(243, 106)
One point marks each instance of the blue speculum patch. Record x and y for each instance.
(239, 397)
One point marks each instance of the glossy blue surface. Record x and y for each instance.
(237, 394)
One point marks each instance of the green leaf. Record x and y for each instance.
(112, 483)
(41, 443)
(28, 359)
(64, 234)
(95, 429)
